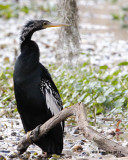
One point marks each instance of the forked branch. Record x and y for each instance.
(80, 111)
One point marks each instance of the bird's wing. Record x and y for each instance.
(53, 99)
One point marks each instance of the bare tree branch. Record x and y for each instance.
(102, 142)
(80, 111)
(26, 141)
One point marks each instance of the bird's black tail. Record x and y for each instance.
(52, 142)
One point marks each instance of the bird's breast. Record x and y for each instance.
(28, 93)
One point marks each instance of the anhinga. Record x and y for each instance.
(36, 94)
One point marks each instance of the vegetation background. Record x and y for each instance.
(97, 74)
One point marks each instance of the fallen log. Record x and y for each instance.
(80, 111)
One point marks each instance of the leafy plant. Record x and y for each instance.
(100, 89)
(8, 11)
(25, 9)
(7, 101)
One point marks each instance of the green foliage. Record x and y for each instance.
(7, 11)
(123, 63)
(7, 100)
(97, 87)
(25, 9)
(116, 16)
(100, 88)
(122, 16)
(13, 9)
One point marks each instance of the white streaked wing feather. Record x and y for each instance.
(51, 103)
(53, 99)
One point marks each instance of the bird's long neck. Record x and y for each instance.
(29, 49)
(29, 58)
(27, 33)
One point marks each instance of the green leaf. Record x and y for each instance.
(25, 9)
(85, 64)
(78, 87)
(109, 99)
(117, 110)
(87, 99)
(66, 104)
(115, 82)
(15, 110)
(101, 99)
(123, 63)
(109, 91)
(93, 84)
(108, 78)
(4, 7)
(82, 97)
(116, 72)
(119, 103)
(75, 94)
(82, 53)
(99, 110)
(104, 67)
(6, 98)
(116, 16)
(65, 91)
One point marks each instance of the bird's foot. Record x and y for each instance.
(37, 131)
(43, 156)
(46, 155)
(28, 137)
(31, 136)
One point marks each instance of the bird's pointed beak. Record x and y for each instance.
(55, 25)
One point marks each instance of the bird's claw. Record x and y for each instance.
(31, 135)
(45, 154)
(28, 137)
(37, 131)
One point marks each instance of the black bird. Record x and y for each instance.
(36, 94)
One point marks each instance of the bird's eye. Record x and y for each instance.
(45, 23)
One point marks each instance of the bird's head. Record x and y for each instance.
(35, 25)
(42, 24)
